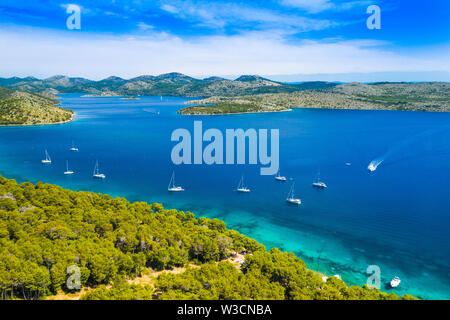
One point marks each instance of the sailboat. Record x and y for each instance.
(279, 177)
(97, 174)
(241, 187)
(318, 183)
(73, 147)
(291, 197)
(172, 187)
(47, 158)
(68, 172)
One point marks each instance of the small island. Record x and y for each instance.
(103, 94)
(130, 98)
(233, 107)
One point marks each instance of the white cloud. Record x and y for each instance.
(169, 8)
(315, 6)
(312, 6)
(144, 26)
(42, 54)
(220, 15)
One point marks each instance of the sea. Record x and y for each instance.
(396, 217)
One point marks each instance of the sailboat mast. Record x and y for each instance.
(291, 192)
(172, 181)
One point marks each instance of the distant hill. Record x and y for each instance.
(171, 84)
(25, 108)
(314, 85)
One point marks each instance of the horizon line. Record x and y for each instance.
(441, 76)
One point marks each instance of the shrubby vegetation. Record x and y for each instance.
(25, 108)
(230, 108)
(433, 96)
(170, 84)
(44, 229)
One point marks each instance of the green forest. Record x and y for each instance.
(44, 229)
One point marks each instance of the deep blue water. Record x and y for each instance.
(397, 217)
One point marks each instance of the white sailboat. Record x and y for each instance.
(73, 147)
(68, 172)
(97, 174)
(279, 177)
(318, 183)
(172, 187)
(241, 187)
(47, 158)
(291, 197)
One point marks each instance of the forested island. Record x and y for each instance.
(141, 251)
(26, 108)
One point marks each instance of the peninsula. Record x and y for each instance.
(127, 251)
(26, 108)
(433, 96)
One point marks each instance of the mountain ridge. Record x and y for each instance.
(173, 84)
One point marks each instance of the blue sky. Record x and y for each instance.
(201, 38)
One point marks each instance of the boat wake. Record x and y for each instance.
(374, 165)
(431, 143)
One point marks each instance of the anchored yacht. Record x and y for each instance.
(279, 177)
(319, 184)
(172, 187)
(47, 158)
(291, 197)
(68, 171)
(73, 147)
(241, 187)
(97, 174)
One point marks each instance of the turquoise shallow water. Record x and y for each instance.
(397, 217)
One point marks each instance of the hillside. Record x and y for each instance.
(25, 108)
(44, 229)
(171, 84)
(433, 96)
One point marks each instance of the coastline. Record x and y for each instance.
(41, 124)
(229, 114)
(311, 107)
(321, 274)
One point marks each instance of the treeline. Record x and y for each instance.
(44, 229)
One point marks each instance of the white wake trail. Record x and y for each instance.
(374, 164)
